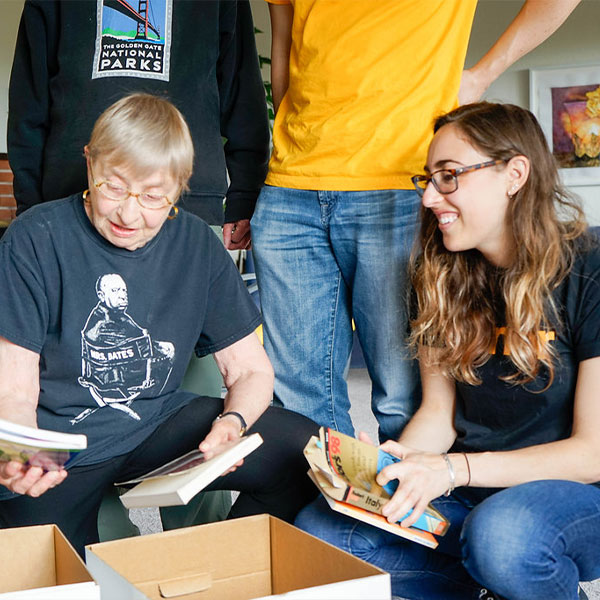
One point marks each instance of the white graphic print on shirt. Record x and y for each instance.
(119, 358)
(133, 39)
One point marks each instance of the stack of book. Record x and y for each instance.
(344, 469)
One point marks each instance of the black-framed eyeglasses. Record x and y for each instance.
(445, 180)
(117, 193)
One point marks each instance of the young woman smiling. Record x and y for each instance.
(507, 329)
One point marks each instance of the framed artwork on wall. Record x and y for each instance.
(566, 102)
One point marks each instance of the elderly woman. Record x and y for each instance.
(105, 295)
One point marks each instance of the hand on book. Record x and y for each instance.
(222, 431)
(421, 477)
(28, 480)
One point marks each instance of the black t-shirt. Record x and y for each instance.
(115, 329)
(497, 415)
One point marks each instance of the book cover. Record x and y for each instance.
(43, 448)
(178, 481)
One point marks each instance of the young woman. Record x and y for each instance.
(507, 329)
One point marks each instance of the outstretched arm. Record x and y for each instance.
(537, 20)
(19, 391)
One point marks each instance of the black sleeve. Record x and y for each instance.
(29, 99)
(244, 121)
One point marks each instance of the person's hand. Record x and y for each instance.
(364, 437)
(31, 481)
(421, 478)
(237, 236)
(471, 87)
(226, 429)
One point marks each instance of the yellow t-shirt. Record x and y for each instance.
(367, 78)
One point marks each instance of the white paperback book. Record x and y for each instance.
(178, 481)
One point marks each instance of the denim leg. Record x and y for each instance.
(372, 234)
(417, 572)
(535, 540)
(322, 258)
(305, 304)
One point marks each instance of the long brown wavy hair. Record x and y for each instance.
(458, 294)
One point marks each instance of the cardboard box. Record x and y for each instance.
(38, 562)
(254, 557)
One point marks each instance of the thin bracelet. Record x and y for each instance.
(468, 469)
(241, 419)
(451, 474)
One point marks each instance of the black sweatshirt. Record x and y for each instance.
(74, 58)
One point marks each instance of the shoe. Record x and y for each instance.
(485, 594)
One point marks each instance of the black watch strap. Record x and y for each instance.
(243, 425)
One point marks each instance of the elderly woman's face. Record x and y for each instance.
(126, 223)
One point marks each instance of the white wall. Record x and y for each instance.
(10, 13)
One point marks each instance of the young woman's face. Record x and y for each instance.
(474, 215)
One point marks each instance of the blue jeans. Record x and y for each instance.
(322, 259)
(535, 540)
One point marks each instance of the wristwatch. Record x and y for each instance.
(243, 425)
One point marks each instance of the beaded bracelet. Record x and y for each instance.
(451, 474)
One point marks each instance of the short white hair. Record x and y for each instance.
(144, 133)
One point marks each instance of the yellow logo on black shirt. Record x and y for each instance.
(544, 337)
